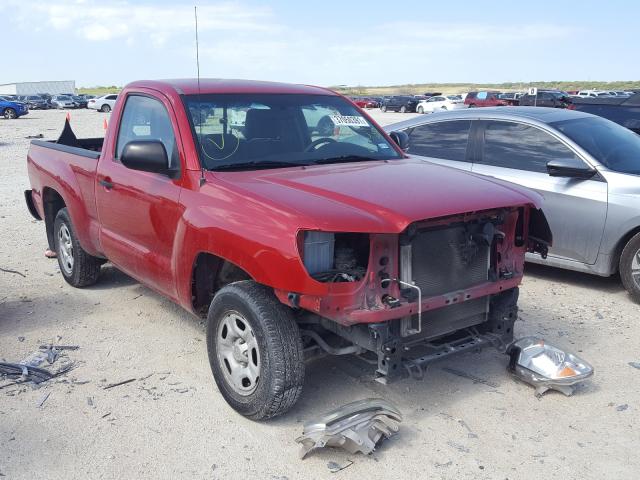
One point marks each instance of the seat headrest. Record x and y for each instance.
(262, 123)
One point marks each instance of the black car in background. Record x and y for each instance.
(80, 101)
(35, 102)
(399, 103)
(546, 98)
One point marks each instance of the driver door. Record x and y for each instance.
(139, 211)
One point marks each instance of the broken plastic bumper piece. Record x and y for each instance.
(546, 367)
(357, 427)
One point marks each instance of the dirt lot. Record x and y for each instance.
(172, 423)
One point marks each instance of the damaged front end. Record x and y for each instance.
(440, 287)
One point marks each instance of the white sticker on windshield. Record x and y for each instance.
(348, 121)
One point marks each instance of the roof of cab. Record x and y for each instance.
(189, 86)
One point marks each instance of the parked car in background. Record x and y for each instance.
(62, 101)
(510, 96)
(365, 102)
(546, 98)
(104, 103)
(485, 99)
(80, 101)
(399, 103)
(622, 110)
(11, 109)
(586, 168)
(593, 93)
(35, 102)
(440, 102)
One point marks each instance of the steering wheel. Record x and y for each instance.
(317, 142)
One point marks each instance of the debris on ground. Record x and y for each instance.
(335, 467)
(44, 399)
(31, 368)
(635, 365)
(117, 384)
(622, 408)
(357, 427)
(545, 367)
(8, 270)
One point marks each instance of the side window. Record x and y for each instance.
(145, 118)
(481, 95)
(513, 145)
(445, 140)
(112, 97)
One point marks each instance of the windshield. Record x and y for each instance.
(245, 131)
(613, 145)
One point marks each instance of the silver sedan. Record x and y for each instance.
(586, 167)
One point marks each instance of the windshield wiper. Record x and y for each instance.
(257, 164)
(345, 159)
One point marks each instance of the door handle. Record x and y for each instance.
(106, 183)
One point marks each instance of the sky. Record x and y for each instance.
(327, 43)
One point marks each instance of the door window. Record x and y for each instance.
(145, 118)
(445, 140)
(523, 147)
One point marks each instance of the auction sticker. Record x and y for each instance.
(348, 121)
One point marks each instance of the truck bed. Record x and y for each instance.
(66, 166)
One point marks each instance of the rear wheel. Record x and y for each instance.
(78, 268)
(420, 109)
(105, 108)
(10, 113)
(630, 267)
(472, 105)
(255, 350)
(383, 108)
(403, 109)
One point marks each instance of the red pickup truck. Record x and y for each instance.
(290, 220)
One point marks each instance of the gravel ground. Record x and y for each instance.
(170, 422)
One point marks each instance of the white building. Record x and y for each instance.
(32, 88)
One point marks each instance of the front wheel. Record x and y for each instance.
(255, 350)
(420, 110)
(403, 109)
(78, 268)
(630, 267)
(383, 108)
(10, 113)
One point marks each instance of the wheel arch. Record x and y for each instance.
(52, 203)
(209, 273)
(622, 242)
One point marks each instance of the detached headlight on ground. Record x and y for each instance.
(546, 367)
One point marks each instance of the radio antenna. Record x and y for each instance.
(202, 177)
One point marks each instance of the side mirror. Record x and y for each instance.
(146, 156)
(570, 168)
(401, 139)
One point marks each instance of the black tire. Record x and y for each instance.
(105, 108)
(420, 110)
(383, 108)
(472, 105)
(630, 267)
(84, 268)
(10, 113)
(403, 109)
(281, 359)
